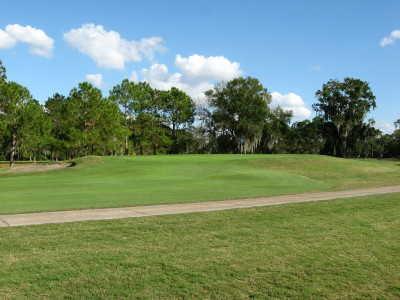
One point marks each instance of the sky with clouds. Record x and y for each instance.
(293, 47)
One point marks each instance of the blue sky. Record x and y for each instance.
(293, 47)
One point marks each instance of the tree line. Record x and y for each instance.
(137, 119)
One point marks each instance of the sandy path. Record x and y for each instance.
(33, 167)
(167, 209)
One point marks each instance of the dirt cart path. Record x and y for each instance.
(169, 209)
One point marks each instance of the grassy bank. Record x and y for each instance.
(125, 181)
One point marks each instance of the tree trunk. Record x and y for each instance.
(126, 146)
(140, 149)
(344, 143)
(126, 124)
(13, 149)
(174, 130)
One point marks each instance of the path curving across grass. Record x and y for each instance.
(97, 182)
(343, 249)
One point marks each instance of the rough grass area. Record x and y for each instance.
(127, 181)
(337, 249)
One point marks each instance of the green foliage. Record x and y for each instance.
(135, 118)
(178, 111)
(344, 106)
(97, 124)
(154, 117)
(239, 111)
(35, 130)
(132, 97)
(15, 107)
(391, 142)
(3, 73)
(62, 125)
(306, 136)
(276, 132)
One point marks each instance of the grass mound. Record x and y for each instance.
(127, 181)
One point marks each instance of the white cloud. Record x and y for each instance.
(134, 76)
(385, 127)
(391, 38)
(95, 79)
(196, 75)
(39, 42)
(199, 67)
(291, 102)
(108, 49)
(6, 41)
(159, 77)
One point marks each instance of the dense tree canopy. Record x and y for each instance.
(135, 118)
(239, 110)
(344, 106)
(15, 105)
(178, 111)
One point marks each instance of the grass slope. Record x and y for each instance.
(337, 249)
(124, 181)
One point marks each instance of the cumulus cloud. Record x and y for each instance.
(385, 127)
(108, 49)
(196, 75)
(391, 38)
(291, 102)
(160, 78)
(199, 67)
(6, 41)
(38, 41)
(95, 79)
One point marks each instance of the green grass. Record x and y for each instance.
(126, 181)
(335, 249)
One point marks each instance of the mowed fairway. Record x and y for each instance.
(336, 249)
(127, 181)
